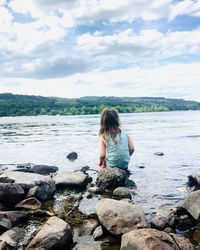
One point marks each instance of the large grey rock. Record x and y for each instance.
(70, 179)
(194, 179)
(146, 239)
(192, 204)
(29, 180)
(13, 237)
(120, 217)
(122, 192)
(11, 193)
(109, 178)
(30, 203)
(15, 217)
(163, 218)
(55, 234)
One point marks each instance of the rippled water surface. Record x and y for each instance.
(48, 139)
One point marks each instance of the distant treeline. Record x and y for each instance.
(24, 105)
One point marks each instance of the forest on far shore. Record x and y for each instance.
(25, 105)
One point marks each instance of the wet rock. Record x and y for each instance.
(87, 228)
(83, 169)
(29, 180)
(120, 217)
(70, 179)
(10, 193)
(98, 233)
(13, 237)
(122, 192)
(159, 153)
(43, 169)
(24, 165)
(192, 204)
(72, 156)
(87, 243)
(130, 184)
(163, 218)
(151, 239)
(194, 179)
(6, 180)
(43, 192)
(15, 217)
(109, 178)
(95, 190)
(55, 234)
(5, 225)
(30, 203)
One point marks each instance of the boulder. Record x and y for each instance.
(72, 156)
(109, 178)
(43, 169)
(55, 234)
(30, 180)
(192, 204)
(15, 217)
(122, 192)
(43, 192)
(70, 179)
(151, 239)
(194, 179)
(5, 225)
(163, 218)
(13, 237)
(10, 193)
(120, 217)
(98, 233)
(30, 203)
(87, 228)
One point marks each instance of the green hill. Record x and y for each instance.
(25, 105)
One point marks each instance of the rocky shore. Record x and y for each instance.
(30, 217)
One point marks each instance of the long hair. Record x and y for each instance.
(109, 125)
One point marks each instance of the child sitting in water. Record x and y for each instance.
(116, 147)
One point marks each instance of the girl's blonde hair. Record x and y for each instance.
(109, 125)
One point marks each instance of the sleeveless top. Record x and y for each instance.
(118, 155)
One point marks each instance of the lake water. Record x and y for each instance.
(48, 139)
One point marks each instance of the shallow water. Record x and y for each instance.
(48, 139)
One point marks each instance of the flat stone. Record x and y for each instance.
(68, 179)
(30, 203)
(43, 169)
(120, 217)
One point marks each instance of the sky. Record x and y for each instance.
(74, 48)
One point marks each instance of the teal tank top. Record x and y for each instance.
(118, 155)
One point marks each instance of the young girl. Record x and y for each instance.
(116, 146)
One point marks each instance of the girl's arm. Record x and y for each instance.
(102, 152)
(130, 146)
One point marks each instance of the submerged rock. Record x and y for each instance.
(153, 239)
(10, 193)
(72, 156)
(122, 192)
(70, 179)
(30, 203)
(163, 218)
(55, 234)
(87, 228)
(159, 153)
(109, 178)
(120, 217)
(192, 204)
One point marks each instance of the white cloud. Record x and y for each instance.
(173, 81)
